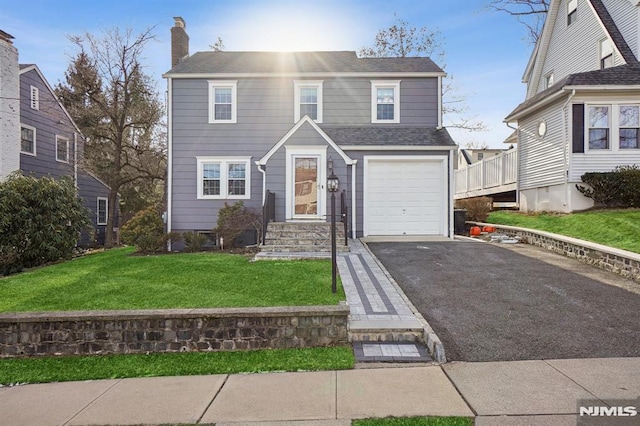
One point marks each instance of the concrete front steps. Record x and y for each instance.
(302, 237)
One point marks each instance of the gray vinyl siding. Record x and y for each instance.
(49, 121)
(574, 48)
(90, 188)
(542, 161)
(625, 14)
(265, 113)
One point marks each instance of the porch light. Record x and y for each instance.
(332, 186)
(333, 183)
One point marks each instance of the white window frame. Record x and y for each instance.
(614, 128)
(106, 210)
(33, 129)
(605, 50)
(223, 84)
(303, 84)
(34, 97)
(549, 79)
(619, 127)
(66, 141)
(572, 6)
(385, 84)
(224, 170)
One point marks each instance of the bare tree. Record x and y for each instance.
(118, 109)
(403, 40)
(531, 13)
(218, 46)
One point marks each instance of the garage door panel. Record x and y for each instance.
(404, 196)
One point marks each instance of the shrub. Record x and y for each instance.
(233, 220)
(477, 208)
(194, 242)
(618, 188)
(40, 221)
(142, 229)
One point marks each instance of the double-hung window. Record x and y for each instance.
(572, 11)
(224, 177)
(27, 139)
(606, 53)
(385, 101)
(62, 149)
(629, 119)
(598, 124)
(308, 100)
(223, 101)
(102, 210)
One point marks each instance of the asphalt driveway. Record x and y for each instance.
(490, 302)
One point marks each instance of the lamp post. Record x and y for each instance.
(332, 185)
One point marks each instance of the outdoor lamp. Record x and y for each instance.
(332, 182)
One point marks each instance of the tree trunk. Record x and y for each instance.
(111, 218)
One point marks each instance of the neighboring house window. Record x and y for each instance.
(572, 11)
(223, 103)
(606, 53)
(308, 100)
(629, 126)
(102, 210)
(35, 98)
(223, 178)
(385, 101)
(548, 81)
(62, 149)
(598, 127)
(480, 155)
(27, 139)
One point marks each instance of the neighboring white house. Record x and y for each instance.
(468, 156)
(582, 108)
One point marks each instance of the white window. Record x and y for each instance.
(223, 103)
(629, 131)
(606, 53)
(572, 11)
(102, 211)
(598, 125)
(385, 101)
(27, 139)
(62, 149)
(35, 98)
(224, 177)
(548, 80)
(308, 100)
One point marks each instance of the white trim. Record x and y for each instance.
(106, 210)
(293, 130)
(354, 208)
(34, 98)
(440, 109)
(293, 152)
(614, 128)
(443, 159)
(169, 153)
(608, 36)
(223, 84)
(34, 139)
(450, 190)
(306, 75)
(299, 84)
(63, 138)
(542, 102)
(385, 84)
(398, 148)
(224, 162)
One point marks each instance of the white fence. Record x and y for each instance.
(492, 175)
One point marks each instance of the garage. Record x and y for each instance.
(405, 195)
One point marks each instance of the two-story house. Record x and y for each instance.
(582, 108)
(41, 139)
(244, 123)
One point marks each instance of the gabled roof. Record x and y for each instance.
(274, 63)
(614, 32)
(376, 136)
(622, 76)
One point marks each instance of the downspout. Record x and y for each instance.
(353, 199)
(451, 189)
(566, 149)
(517, 164)
(264, 182)
(169, 153)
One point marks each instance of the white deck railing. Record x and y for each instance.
(492, 175)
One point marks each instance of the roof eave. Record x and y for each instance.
(400, 74)
(542, 102)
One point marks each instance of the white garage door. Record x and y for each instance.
(405, 196)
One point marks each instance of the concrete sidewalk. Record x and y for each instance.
(518, 392)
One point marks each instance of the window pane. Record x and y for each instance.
(385, 112)
(211, 187)
(629, 116)
(223, 112)
(629, 138)
(211, 171)
(309, 109)
(598, 138)
(308, 95)
(61, 150)
(26, 140)
(385, 96)
(237, 171)
(598, 116)
(223, 95)
(236, 187)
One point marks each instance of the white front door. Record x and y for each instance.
(305, 183)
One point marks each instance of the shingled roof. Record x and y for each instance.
(614, 32)
(298, 62)
(622, 75)
(389, 136)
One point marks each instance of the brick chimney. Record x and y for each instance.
(179, 41)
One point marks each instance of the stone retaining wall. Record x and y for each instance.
(117, 332)
(611, 259)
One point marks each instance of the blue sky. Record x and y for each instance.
(485, 51)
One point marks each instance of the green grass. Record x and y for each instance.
(117, 280)
(70, 368)
(415, 421)
(614, 228)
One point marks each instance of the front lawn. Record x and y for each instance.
(415, 421)
(614, 228)
(117, 280)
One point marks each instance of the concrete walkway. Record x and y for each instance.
(503, 393)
